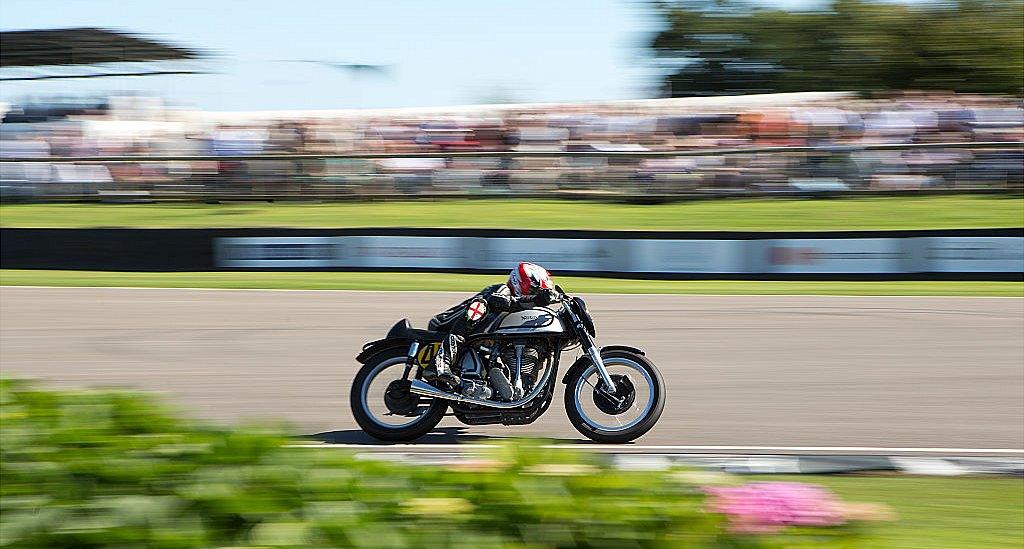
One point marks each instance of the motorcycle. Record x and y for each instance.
(508, 368)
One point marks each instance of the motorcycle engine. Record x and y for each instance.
(528, 355)
(500, 381)
(530, 360)
(471, 369)
(476, 389)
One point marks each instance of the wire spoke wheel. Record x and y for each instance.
(624, 408)
(623, 414)
(386, 397)
(384, 406)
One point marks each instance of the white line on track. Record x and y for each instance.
(683, 449)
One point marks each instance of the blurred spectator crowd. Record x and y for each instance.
(839, 123)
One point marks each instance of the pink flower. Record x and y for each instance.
(765, 507)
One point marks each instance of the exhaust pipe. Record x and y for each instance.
(420, 387)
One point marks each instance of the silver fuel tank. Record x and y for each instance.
(530, 321)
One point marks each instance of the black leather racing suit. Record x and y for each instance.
(456, 323)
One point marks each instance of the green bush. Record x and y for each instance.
(99, 468)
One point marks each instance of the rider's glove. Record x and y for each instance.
(545, 296)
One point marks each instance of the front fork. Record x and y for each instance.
(594, 352)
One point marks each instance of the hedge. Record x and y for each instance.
(109, 468)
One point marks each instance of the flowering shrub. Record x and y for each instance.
(763, 507)
(103, 469)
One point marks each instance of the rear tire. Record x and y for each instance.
(423, 425)
(619, 436)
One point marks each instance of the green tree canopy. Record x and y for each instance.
(850, 45)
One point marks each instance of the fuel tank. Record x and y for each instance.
(530, 321)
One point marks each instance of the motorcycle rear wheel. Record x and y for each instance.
(431, 411)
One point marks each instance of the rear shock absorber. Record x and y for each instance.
(410, 359)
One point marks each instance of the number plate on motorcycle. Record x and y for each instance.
(427, 354)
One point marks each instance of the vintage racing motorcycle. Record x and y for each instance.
(508, 368)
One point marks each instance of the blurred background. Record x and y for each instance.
(809, 214)
(409, 104)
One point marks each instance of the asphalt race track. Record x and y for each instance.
(741, 371)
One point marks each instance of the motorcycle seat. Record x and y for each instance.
(403, 330)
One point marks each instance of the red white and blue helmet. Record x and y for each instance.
(527, 279)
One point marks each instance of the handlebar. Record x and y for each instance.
(557, 296)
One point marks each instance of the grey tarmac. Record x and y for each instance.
(742, 371)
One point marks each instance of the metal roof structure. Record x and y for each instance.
(87, 53)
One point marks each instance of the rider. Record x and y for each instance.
(528, 285)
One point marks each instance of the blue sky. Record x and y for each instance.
(440, 52)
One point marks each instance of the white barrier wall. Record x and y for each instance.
(973, 254)
(430, 252)
(559, 254)
(688, 256)
(656, 256)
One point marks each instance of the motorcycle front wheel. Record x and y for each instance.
(632, 410)
(383, 406)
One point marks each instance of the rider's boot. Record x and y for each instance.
(442, 363)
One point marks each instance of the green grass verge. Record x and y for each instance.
(937, 512)
(927, 212)
(473, 283)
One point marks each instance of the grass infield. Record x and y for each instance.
(473, 283)
(924, 212)
(934, 511)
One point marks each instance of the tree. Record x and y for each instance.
(851, 45)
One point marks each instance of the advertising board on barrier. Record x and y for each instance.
(832, 255)
(339, 251)
(925, 254)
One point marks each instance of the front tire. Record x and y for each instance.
(602, 421)
(363, 403)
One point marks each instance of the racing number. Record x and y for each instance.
(427, 354)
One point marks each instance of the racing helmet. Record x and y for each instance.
(528, 278)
